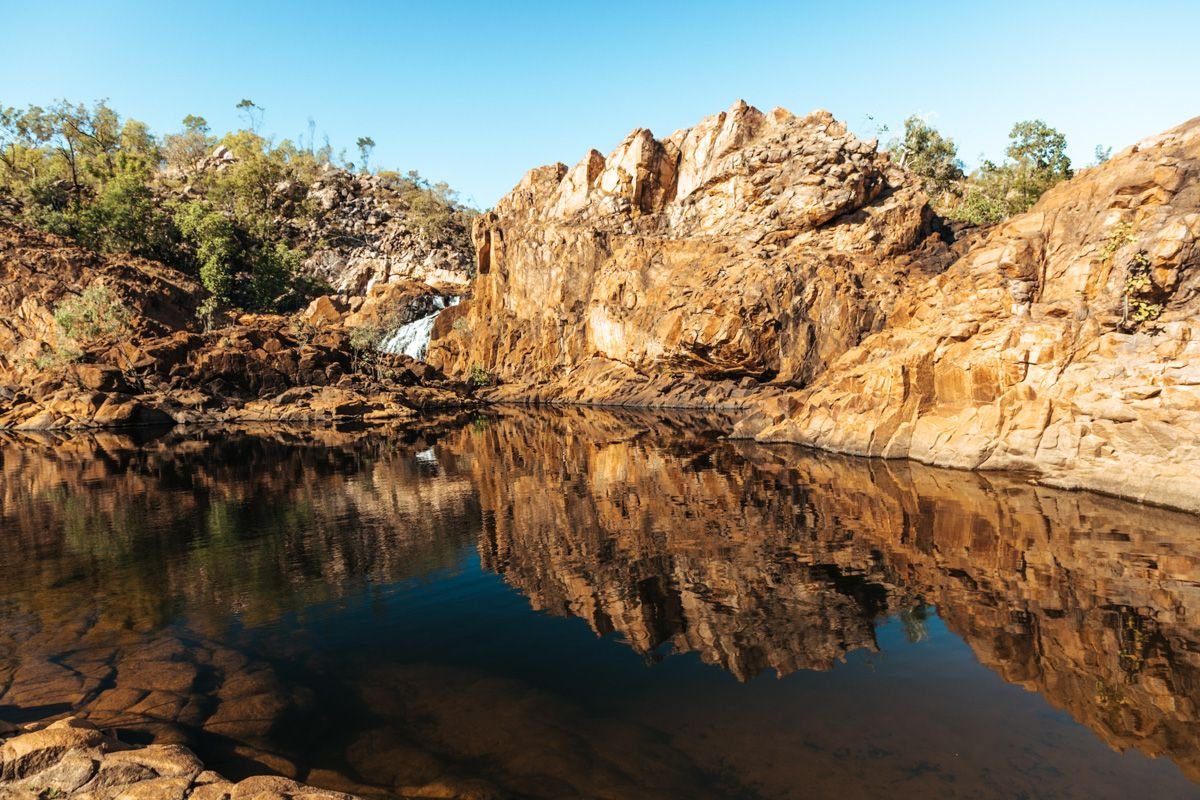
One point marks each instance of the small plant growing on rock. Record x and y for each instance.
(478, 376)
(1139, 292)
(96, 312)
(1122, 234)
(57, 357)
(206, 312)
(1140, 302)
(364, 347)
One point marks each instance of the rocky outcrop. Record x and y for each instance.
(1065, 343)
(370, 230)
(777, 262)
(752, 249)
(150, 363)
(359, 230)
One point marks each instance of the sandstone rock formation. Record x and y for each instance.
(754, 247)
(1065, 343)
(157, 367)
(777, 262)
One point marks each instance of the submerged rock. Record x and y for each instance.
(72, 757)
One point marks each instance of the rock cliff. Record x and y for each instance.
(753, 248)
(776, 262)
(1066, 343)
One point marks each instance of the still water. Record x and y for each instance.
(578, 603)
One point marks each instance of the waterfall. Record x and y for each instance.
(412, 339)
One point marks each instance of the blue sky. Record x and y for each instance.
(476, 93)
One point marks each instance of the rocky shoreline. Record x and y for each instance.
(766, 263)
(780, 265)
(159, 366)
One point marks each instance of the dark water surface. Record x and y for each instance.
(591, 604)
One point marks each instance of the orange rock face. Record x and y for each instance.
(1066, 342)
(777, 262)
(691, 270)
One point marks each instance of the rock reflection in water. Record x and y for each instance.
(238, 592)
(758, 557)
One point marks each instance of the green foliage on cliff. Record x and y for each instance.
(1035, 161)
(930, 156)
(232, 209)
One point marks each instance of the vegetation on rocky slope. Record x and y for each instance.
(239, 211)
(1036, 160)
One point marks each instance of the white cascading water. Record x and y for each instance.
(412, 339)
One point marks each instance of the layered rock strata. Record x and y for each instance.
(751, 249)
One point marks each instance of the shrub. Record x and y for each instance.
(479, 376)
(58, 357)
(125, 218)
(96, 312)
(213, 236)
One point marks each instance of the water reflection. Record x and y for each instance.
(761, 558)
(219, 588)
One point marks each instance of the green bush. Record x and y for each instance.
(479, 376)
(215, 241)
(125, 218)
(95, 312)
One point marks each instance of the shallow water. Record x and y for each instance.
(593, 604)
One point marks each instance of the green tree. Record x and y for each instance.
(1039, 160)
(930, 156)
(252, 113)
(125, 217)
(185, 150)
(273, 273)
(215, 241)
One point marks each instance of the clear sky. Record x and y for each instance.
(476, 93)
